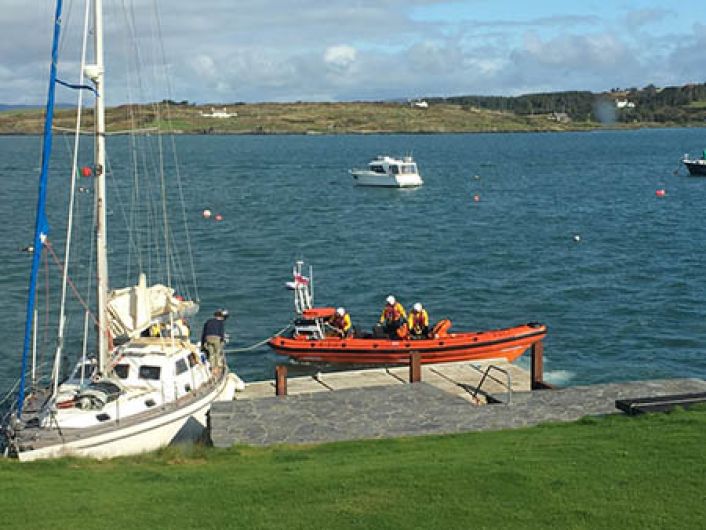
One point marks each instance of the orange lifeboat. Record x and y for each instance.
(310, 339)
(440, 346)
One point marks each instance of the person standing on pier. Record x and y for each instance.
(213, 337)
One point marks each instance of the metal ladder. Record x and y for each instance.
(485, 376)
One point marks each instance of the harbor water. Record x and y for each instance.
(562, 228)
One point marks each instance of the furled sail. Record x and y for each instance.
(133, 309)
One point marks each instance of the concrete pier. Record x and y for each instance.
(403, 409)
(459, 379)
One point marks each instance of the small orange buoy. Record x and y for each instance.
(206, 214)
(476, 198)
(86, 171)
(661, 193)
(219, 217)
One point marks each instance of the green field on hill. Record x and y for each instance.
(297, 118)
(612, 472)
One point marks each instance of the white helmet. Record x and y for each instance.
(341, 311)
(391, 300)
(417, 307)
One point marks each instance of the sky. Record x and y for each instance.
(343, 50)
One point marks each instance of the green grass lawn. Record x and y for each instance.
(614, 472)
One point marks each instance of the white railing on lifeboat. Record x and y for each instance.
(303, 288)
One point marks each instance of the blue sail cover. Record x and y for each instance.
(41, 228)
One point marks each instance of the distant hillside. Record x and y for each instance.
(555, 111)
(291, 118)
(5, 106)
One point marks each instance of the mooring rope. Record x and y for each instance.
(258, 344)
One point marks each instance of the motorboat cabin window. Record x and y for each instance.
(394, 170)
(150, 372)
(122, 370)
(409, 169)
(377, 169)
(181, 366)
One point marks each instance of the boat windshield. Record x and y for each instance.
(409, 169)
(394, 169)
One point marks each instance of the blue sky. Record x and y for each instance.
(313, 50)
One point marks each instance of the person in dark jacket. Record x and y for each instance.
(213, 337)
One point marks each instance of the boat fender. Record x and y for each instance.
(66, 404)
(441, 328)
(402, 331)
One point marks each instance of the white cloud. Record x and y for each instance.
(575, 51)
(638, 18)
(340, 57)
(204, 65)
(254, 50)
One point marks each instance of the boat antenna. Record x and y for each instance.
(41, 227)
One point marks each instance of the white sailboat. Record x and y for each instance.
(147, 384)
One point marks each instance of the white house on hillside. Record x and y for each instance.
(624, 104)
(223, 113)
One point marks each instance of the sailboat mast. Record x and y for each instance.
(41, 227)
(101, 240)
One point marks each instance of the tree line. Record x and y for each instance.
(679, 104)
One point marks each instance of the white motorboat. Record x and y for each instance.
(696, 166)
(146, 384)
(389, 172)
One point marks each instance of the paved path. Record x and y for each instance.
(416, 409)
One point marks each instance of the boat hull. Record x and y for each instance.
(696, 167)
(509, 344)
(181, 422)
(370, 178)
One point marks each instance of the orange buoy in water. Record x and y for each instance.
(661, 193)
(206, 214)
(86, 171)
(219, 217)
(476, 198)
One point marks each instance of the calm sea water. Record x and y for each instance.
(628, 301)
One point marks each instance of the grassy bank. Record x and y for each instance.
(614, 472)
(299, 118)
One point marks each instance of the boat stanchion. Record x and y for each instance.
(281, 380)
(415, 367)
(537, 367)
